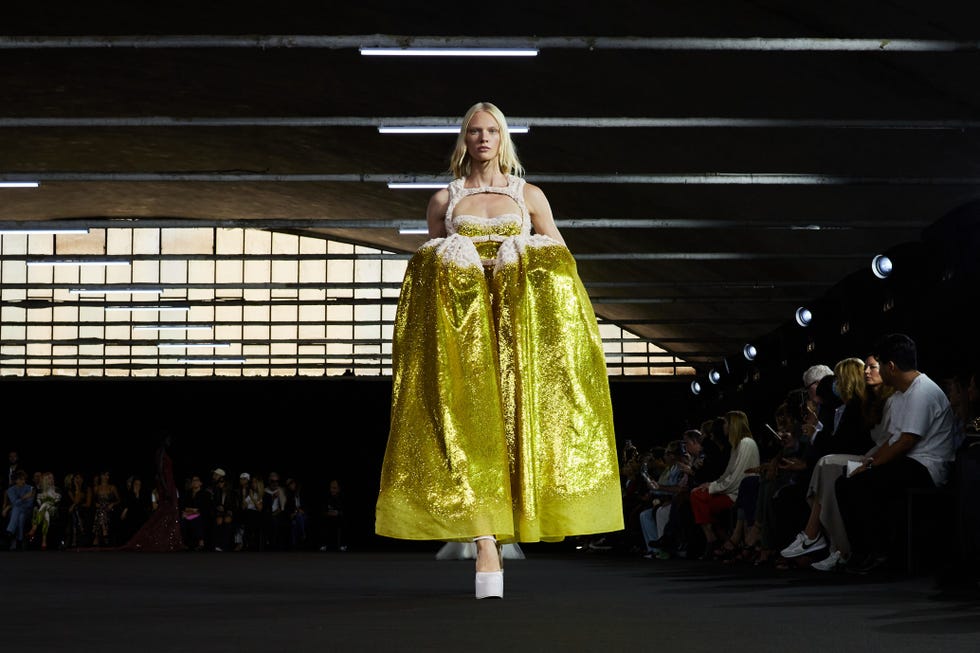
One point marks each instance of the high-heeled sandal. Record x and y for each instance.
(490, 584)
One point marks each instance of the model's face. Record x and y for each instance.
(482, 137)
(872, 374)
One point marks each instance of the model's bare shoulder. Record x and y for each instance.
(533, 193)
(439, 200)
(542, 218)
(435, 213)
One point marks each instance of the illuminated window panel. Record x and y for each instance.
(145, 241)
(279, 333)
(229, 314)
(339, 332)
(340, 271)
(312, 315)
(229, 272)
(367, 332)
(187, 241)
(257, 314)
(92, 243)
(367, 313)
(145, 271)
(117, 241)
(44, 244)
(118, 332)
(285, 323)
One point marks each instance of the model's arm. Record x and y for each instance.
(435, 214)
(542, 219)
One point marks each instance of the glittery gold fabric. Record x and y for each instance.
(501, 419)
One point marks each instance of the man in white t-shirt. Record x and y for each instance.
(918, 454)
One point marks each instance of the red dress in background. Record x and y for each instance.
(161, 532)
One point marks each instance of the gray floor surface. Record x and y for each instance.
(110, 601)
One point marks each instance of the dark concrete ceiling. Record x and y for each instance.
(689, 150)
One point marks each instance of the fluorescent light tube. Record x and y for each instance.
(450, 52)
(159, 307)
(78, 262)
(13, 232)
(416, 184)
(173, 327)
(209, 361)
(421, 129)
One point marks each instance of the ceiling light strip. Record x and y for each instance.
(449, 52)
(814, 224)
(521, 124)
(172, 327)
(19, 184)
(209, 361)
(419, 129)
(105, 290)
(74, 289)
(689, 299)
(67, 262)
(148, 307)
(433, 181)
(41, 232)
(508, 43)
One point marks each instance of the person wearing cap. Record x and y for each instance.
(240, 525)
(811, 382)
(223, 507)
(216, 474)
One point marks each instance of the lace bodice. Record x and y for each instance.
(496, 228)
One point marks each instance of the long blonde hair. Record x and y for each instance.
(459, 163)
(738, 427)
(849, 375)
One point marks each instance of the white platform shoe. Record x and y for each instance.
(490, 584)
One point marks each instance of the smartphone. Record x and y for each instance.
(773, 431)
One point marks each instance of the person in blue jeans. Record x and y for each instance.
(20, 507)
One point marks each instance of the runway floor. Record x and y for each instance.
(555, 600)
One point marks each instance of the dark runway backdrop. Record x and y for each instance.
(313, 429)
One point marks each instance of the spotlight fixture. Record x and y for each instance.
(881, 265)
(714, 376)
(803, 316)
(695, 388)
(750, 352)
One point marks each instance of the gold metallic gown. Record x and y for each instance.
(501, 421)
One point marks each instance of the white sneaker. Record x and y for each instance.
(829, 563)
(803, 545)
